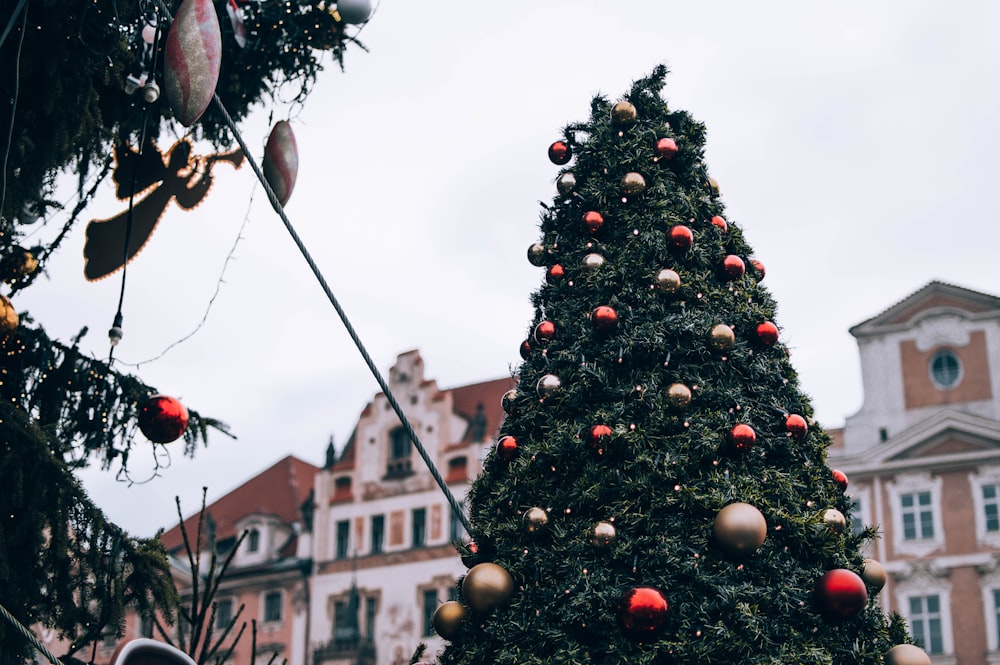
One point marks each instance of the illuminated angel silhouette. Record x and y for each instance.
(182, 177)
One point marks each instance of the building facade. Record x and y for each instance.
(923, 459)
(384, 533)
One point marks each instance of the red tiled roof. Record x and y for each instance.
(279, 490)
(466, 400)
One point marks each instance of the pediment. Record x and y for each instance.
(933, 299)
(951, 442)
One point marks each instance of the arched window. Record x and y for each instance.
(253, 540)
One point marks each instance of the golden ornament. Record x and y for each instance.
(834, 520)
(536, 521)
(740, 528)
(907, 654)
(721, 337)
(633, 183)
(19, 263)
(623, 114)
(592, 261)
(566, 183)
(448, 618)
(602, 535)
(9, 319)
(536, 254)
(678, 395)
(874, 574)
(486, 587)
(714, 184)
(668, 281)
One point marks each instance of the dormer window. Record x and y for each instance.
(945, 369)
(253, 540)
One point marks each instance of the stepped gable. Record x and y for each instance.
(279, 490)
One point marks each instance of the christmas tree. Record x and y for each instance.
(659, 492)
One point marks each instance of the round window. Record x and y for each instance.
(946, 369)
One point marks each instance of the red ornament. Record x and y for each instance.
(163, 419)
(841, 594)
(759, 267)
(192, 59)
(544, 332)
(555, 273)
(666, 148)
(796, 425)
(767, 333)
(525, 349)
(841, 478)
(472, 558)
(733, 267)
(681, 237)
(560, 153)
(742, 437)
(507, 448)
(599, 436)
(281, 161)
(642, 613)
(592, 221)
(720, 222)
(604, 319)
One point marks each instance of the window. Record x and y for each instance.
(419, 527)
(371, 610)
(343, 538)
(917, 515)
(925, 622)
(857, 515)
(430, 604)
(946, 369)
(456, 530)
(146, 626)
(223, 614)
(378, 533)
(991, 508)
(253, 540)
(272, 606)
(399, 444)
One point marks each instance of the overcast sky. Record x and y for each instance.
(855, 143)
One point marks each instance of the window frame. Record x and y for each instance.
(376, 543)
(266, 596)
(418, 528)
(221, 624)
(342, 539)
(427, 610)
(933, 370)
(983, 477)
(916, 483)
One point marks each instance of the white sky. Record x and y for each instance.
(855, 143)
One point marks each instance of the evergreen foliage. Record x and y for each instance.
(665, 470)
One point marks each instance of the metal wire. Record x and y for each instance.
(28, 636)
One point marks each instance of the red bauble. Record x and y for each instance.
(544, 332)
(642, 613)
(604, 319)
(733, 267)
(555, 273)
(560, 152)
(599, 436)
(759, 268)
(742, 437)
(525, 349)
(767, 333)
(666, 148)
(472, 558)
(681, 237)
(796, 425)
(841, 594)
(507, 448)
(592, 221)
(720, 221)
(163, 419)
(841, 478)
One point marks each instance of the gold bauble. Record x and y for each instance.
(547, 385)
(603, 534)
(566, 183)
(633, 183)
(678, 395)
(874, 574)
(907, 654)
(740, 528)
(536, 254)
(668, 281)
(536, 521)
(448, 619)
(623, 113)
(721, 337)
(714, 184)
(592, 261)
(834, 520)
(487, 586)
(9, 319)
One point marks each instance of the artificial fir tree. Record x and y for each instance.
(659, 492)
